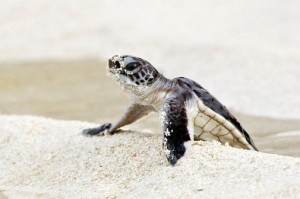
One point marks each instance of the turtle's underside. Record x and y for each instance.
(187, 111)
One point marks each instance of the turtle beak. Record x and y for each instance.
(111, 64)
(114, 62)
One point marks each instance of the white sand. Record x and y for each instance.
(246, 52)
(44, 158)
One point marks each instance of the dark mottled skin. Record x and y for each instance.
(176, 123)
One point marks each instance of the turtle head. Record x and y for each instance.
(132, 71)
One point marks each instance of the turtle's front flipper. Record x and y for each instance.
(174, 123)
(132, 113)
(101, 130)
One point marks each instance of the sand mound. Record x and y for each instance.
(46, 158)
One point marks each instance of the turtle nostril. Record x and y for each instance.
(117, 64)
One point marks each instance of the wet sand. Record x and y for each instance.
(81, 90)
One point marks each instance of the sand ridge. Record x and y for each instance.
(51, 158)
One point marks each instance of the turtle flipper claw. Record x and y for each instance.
(174, 151)
(101, 130)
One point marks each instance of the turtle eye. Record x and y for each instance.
(132, 65)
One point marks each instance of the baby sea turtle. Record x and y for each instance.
(188, 111)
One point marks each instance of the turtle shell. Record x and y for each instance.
(213, 121)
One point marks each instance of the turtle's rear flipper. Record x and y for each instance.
(101, 130)
(174, 124)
